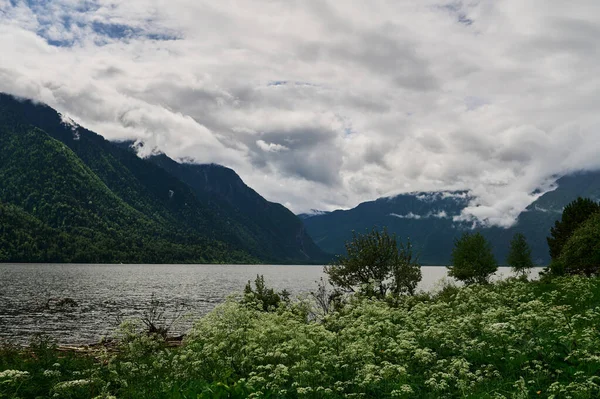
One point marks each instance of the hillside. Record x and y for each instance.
(273, 227)
(427, 219)
(114, 205)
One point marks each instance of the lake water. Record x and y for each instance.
(106, 294)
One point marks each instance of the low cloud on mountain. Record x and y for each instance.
(323, 104)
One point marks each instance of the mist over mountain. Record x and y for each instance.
(432, 220)
(325, 104)
(81, 198)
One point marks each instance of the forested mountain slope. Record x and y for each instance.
(112, 205)
(277, 230)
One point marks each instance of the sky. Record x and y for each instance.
(322, 104)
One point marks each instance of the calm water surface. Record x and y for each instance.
(107, 294)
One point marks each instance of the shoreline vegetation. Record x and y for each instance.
(509, 339)
(368, 334)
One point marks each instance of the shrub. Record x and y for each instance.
(266, 297)
(376, 265)
(326, 300)
(41, 371)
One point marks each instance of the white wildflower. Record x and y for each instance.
(52, 373)
(66, 385)
(13, 375)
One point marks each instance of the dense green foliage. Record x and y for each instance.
(519, 255)
(75, 197)
(573, 216)
(19, 234)
(57, 210)
(581, 253)
(514, 339)
(472, 259)
(375, 265)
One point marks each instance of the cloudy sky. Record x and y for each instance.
(322, 104)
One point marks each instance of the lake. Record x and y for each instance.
(108, 294)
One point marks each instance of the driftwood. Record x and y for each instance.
(111, 346)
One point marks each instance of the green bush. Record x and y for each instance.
(266, 298)
(581, 252)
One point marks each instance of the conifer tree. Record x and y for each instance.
(519, 255)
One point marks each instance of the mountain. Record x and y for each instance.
(426, 218)
(272, 227)
(90, 200)
(56, 209)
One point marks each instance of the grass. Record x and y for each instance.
(512, 339)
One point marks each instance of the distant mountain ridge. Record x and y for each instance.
(311, 213)
(427, 218)
(98, 202)
(424, 217)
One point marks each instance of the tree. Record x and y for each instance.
(376, 265)
(574, 214)
(581, 252)
(472, 259)
(406, 271)
(519, 255)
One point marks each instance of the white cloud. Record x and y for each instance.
(409, 215)
(457, 196)
(323, 104)
(438, 215)
(271, 147)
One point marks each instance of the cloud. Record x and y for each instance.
(409, 215)
(271, 147)
(438, 215)
(457, 196)
(323, 104)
